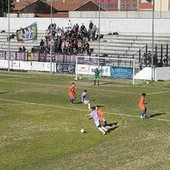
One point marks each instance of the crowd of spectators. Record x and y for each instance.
(147, 60)
(72, 39)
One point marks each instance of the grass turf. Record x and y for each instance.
(40, 129)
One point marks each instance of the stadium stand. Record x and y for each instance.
(126, 45)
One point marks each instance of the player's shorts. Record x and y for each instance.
(96, 77)
(72, 99)
(97, 123)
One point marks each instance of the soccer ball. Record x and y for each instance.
(80, 77)
(82, 130)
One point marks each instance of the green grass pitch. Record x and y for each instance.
(40, 129)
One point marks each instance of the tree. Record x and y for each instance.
(5, 5)
(1, 8)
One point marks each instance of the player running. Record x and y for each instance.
(84, 99)
(103, 121)
(94, 116)
(142, 106)
(71, 93)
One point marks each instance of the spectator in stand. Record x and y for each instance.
(144, 57)
(83, 30)
(155, 60)
(87, 48)
(42, 42)
(23, 49)
(63, 46)
(72, 40)
(20, 49)
(79, 45)
(75, 46)
(90, 30)
(90, 25)
(165, 60)
(69, 26)
(94, 32)
(67, 46)
(149, 57)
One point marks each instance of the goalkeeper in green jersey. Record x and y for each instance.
(96, 76)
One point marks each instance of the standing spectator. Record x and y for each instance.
(42, 43)
(155, 60)
(24, 49)
(94, 32)
(165, 60)
(94, 116)
(90, 25)
(71, 93)
(79, 46)
(144, 57)
(149, 58)
(96, 76)
(142, 106)
(69, 26)
(20, 49)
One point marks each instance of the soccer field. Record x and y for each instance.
(40, 129)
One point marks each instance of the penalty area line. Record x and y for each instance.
(68, 108)
(126, 115)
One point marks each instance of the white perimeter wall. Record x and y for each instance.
(160, 73)
(133, 23)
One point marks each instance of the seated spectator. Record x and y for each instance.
(20, 49)
(42, 42)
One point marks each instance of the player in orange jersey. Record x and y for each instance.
(101, 117)
(71, 93)
(103, 122)
(142, 106)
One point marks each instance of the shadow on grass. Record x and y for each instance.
(80, 102)
(100, 105)
(156, 114)
(3, 92)
(106, 83)
(112, 126)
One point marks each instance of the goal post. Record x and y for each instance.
(109, 67)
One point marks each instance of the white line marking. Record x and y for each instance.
(159, 92)
(68, 108)
(113, 91)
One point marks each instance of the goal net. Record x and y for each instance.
(109, 67)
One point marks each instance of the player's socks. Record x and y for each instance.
(94, 82)
(104, 128)
(101, 130)
(89, 106)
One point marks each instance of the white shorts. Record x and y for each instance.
(97, 123)
(86, 102)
